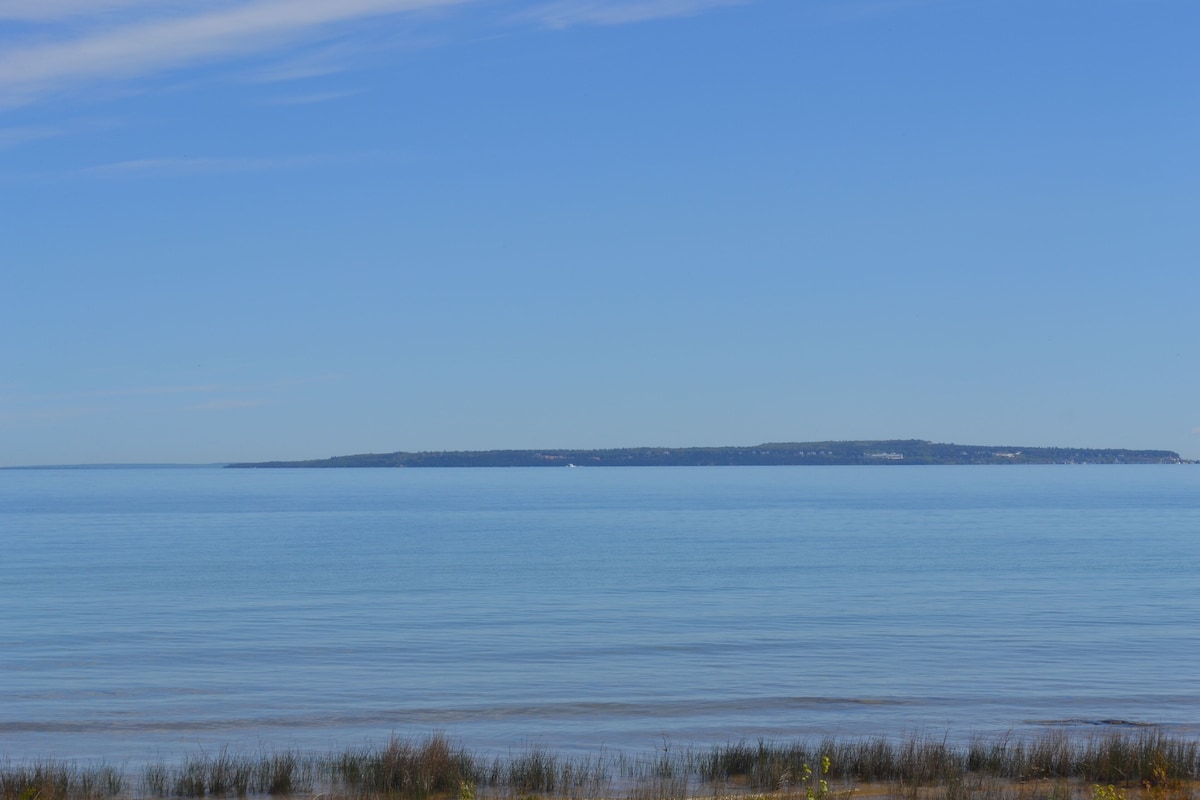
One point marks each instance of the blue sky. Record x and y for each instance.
(253, 229)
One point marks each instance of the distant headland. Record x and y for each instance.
(886, 452)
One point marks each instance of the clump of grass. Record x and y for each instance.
(226, 775)
(406, 769)
(229, 775)
(1147, 758)
(534, 772)
(156, 778)
(280, 774)
(926, 762)
(190, 779)
(60, 780)
(539, 772)
(46, 780)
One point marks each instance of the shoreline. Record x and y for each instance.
(885, 452)
(1110, 765)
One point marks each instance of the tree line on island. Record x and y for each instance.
(885, 452)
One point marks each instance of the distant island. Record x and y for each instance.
(887, 452)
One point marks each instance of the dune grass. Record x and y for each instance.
(1118, 766)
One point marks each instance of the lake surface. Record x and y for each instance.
(151, 613)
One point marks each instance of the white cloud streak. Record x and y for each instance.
(11, 137)
(226, 405)
(142, 48)
(145, 391)
(569, 13)
(177, 166)
(50, 47)
(313, 63)
(19, 418)
(855, 10)
(45, 10)
(309, 99)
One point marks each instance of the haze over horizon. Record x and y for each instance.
(248, 230)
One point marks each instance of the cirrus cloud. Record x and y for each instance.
(45, 10)
(53, 47)
(180, 166)
(139, 47)
(569, 13)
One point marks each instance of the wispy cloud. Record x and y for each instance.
(11, 137)
(308, 99)
(25, 134)
(312, 63)
(37, 415)
(177, 166)
(143, 391)
(52, 47)
(850, 10)
(569, 13)
(44, 10)
(226, 405)
(141, 47)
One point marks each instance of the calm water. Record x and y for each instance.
(153, 612)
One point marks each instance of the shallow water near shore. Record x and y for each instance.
(151, 613)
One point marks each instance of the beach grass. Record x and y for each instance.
(1143, 765)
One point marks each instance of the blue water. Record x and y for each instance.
(149, 613)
